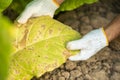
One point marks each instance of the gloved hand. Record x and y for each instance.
(90, 44)
(37, 8)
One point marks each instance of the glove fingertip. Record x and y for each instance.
(78, 57)
(71, 59)
(74, 58)
(21, 21)
(23, 18)
(72, 46)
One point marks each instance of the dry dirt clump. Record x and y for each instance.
(105, 65)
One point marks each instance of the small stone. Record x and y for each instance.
(88, 77)
(116, 66)
(115, 44)
(80, 14)
(100, 75)
(110, 15)
(98, 21)
(67, 16)
(73, 23)
(84, 69)
(85, 19)
(78, 68)
(85, 28)
(62, 66)
(105, 53)
(80, 78)
(59, 73)
(102, 9)
(70, 65)
(115, 76)
(61, 78)
(92, 59)
(106, 65)
(54, 77)
(47, 76)
(75, 73)
(41, 79)
(72, 78)
(66, 74)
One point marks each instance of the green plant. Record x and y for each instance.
(5, 46)
(4, 4)
(19, 5)
(72, 4)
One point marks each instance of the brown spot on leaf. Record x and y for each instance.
(66, 53)
(59, 29)
(30, 48)
(55, 64)
(39, 32)
(23, 40)
(50, 31)
(46, 57)
(16, 45)
(49, 66)
(25, 25)
(17, 24)
(16, 71)
(43, 27)
(24, 78)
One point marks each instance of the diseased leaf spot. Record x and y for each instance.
(53, 65)
(66, 54)
(43, 27)
(39, 32)
(46, 57)
(50, 31)
(23, 41)
(30, 48)
(16, 71)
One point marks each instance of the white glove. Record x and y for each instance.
(90, 44)
(37, 8)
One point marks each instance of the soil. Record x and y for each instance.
(105, 65)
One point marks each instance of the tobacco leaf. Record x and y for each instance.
(39, 47)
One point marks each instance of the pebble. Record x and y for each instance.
(75, 73)
(100, 75)
(66, 74)
(116, 66)
(85, 19)
(70, 65)
(80, 78)
(84, 28)
(61, 78)
(84, 69)
(115, 44)
(110, 15)
(115, 76)
(98, 21)
(88, 77)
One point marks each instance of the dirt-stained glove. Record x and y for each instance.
(89, 45)
(37, 8)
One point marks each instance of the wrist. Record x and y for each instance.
(108, 34)
(58, 2)
(113, 29)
